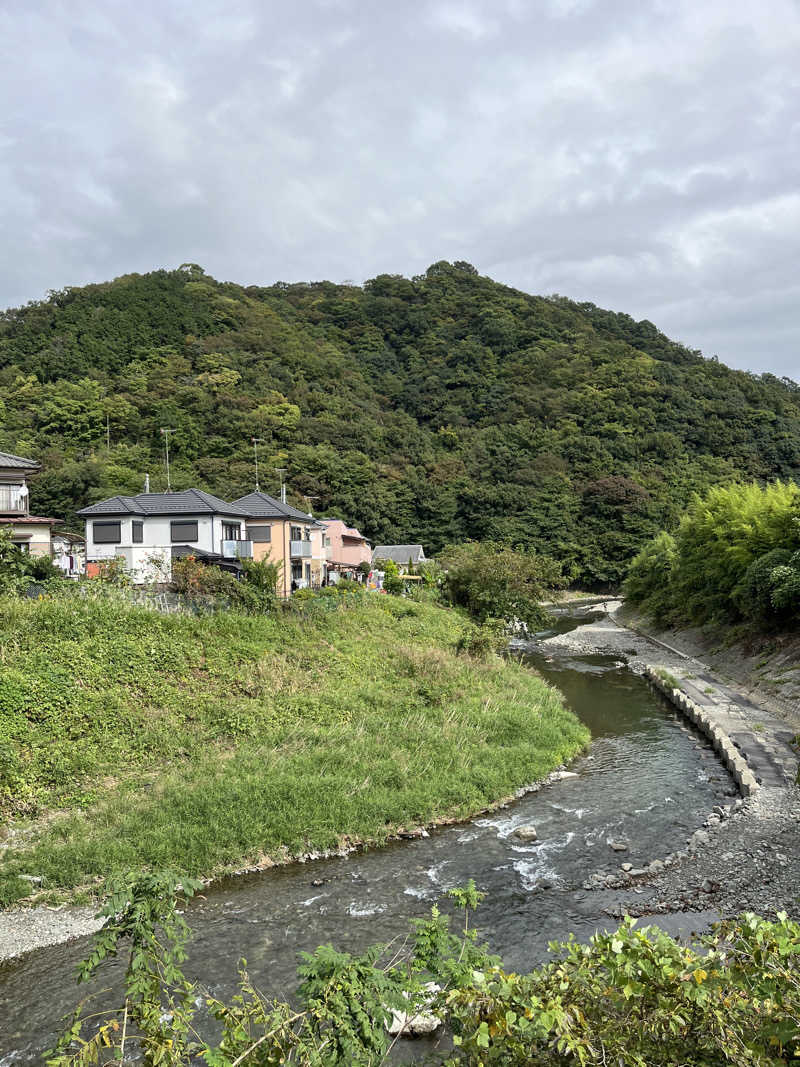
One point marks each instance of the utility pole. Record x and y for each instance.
(256, 442)
(108, 433)
(166, 431)
(308, 499)
(281, 471)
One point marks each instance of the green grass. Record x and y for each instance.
(130, 739)
(670, 679)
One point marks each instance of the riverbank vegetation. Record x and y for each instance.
(734, 559)
(440, 408)
(633, 997)
(131, 739)
(493, 581)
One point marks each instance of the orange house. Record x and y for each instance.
(291, 538)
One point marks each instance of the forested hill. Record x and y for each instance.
(432, 410)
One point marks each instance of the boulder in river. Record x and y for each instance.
(526, 833)
(618, 846)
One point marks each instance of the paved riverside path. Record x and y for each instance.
(763, 738)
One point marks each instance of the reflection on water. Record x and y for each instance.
(648, 781)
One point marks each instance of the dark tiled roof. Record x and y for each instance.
(188, 502)
(20, 462)
(399, 553)
(264, 506)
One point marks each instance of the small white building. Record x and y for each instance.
(405, 556)
(149, 530)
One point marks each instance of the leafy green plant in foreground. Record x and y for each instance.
(344, 1000)
(639, 998)
(636, 998)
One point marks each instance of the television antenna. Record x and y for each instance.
(166, 431)
(256, 442)
(281, 472)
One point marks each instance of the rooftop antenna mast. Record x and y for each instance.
(166, 431)
(309, 500)
(256, 442)
(281, 471)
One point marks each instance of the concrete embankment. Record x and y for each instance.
(742, 858)
(752, 759)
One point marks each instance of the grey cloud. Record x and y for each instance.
(641, 155)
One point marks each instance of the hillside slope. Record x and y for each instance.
(431, 409)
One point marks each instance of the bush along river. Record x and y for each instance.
(647, 783)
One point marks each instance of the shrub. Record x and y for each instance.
(484, 640)
(17, 568)
(637, 997)
(200, 583)
(392, 580)
(494, 581)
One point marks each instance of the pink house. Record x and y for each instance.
(347, 548)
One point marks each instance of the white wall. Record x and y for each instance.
(151, 559)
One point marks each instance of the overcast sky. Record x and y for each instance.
(644, 155)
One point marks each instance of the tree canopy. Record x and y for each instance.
(437, 409)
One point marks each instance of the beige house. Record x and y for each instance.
(291, 538)
(32, 533)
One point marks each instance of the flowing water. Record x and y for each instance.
(648, 781)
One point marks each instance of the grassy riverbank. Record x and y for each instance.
(130, 739)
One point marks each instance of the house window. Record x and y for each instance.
(23, 546)
(137, 532)
(297, 572)
(260, 534)
(231, 531)
(106, 533)
(296, 534)
(183, 531)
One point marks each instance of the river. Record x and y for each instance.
(648, 781)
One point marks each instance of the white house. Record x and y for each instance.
(31, 533)
(149, 530)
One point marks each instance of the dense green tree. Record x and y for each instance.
(439, 408)
(735, 556)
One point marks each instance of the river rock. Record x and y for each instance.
(627, 867)
(526, 833)
(618, 846)
(560, 776)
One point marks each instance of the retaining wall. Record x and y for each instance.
(725, 748)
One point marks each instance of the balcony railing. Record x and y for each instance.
(13, 501)
(237, 549)
(300, 549)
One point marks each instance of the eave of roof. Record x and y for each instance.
(8, 459)
(22, 520)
